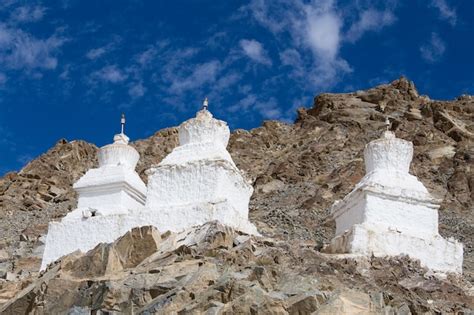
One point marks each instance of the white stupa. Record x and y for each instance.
(390, 212)
(198, 181)
(105, 197)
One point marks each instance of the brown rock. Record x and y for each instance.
(4, 255)
(136, 245)
(127, 252)
(348, 302)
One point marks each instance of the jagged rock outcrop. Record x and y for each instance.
(213, 269)
(297, 170)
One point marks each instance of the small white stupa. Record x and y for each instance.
(105, 195)
(198, 181)
(390, 212)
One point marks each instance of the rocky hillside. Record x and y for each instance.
(298, 170)
(213, 269)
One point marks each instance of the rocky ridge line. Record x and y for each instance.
(298, 170)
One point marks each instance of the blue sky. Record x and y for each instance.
(69, 68)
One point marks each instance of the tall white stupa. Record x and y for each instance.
(198, 181)
(105, 197)
(390, 212)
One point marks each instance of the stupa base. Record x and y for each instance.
(434, 252)
(84, 234)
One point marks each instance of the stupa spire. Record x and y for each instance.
(387, 124)
(122, 123)
(205, 103)
(105, 197)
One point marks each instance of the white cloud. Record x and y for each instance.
(290, 57)
(255, 51)
(318, 26)
(136, 90)
(28, 14)
(243, 104)
(313, 26)
(269, 109)
(21, 50)
(445, 11)
(370, 20)
(147, 56)
(201, 74)
(323, 33)
(151, 53)
(433, 50)
(110, 73)
(96, 53)
(227, 81)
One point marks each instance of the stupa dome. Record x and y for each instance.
(388, 153)
(118, 153)
(204, 128)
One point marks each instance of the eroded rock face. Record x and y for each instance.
(127, 252)
(297, 170)
(215, 269)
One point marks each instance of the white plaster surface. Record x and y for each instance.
(114, 187)
(390, 212)
(434, 252)
(106, 194)
(388, 153)
(198, 181)
(85, 233)
(111, 189)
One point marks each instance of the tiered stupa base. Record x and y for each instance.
(390, 212)
(435, 252)
(85, 234)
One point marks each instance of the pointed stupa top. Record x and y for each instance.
(119, 152)
(201, 138)
(204, 128)
(388, 153)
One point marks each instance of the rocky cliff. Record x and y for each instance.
(298, 170)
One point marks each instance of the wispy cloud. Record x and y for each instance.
(147, 56)
(313, 26)
(255, 51)
(110, 73)
(433, 50)
(445, 11)
(28, 13)
(318, 27)
(136, 90)
(370, 20)
(269, 109)
(243, 104)
(200, 74)
(96, 53)
(21, 50)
